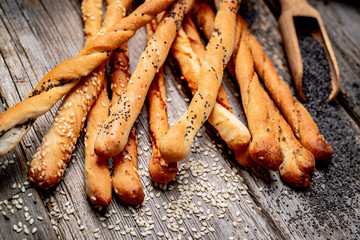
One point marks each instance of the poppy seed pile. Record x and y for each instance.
(331, 201)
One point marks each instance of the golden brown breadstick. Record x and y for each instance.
(49, 162)
(114, 133)
(297, 116)
(242, 155)
(160, 170)
(17, 120)
(97, 173)
(126, 182)
(199, 49)
(264, 147)
(298, 164)
(234, 133)
(175, 145)
(204, 17)
(92, 14)
(193, 35)
(125, 178)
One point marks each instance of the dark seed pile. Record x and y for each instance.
(332, 200)
(337, 191)
(316, 79)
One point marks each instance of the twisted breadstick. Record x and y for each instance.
(298, 164)
(204, 17)
(115, 131)
(199, 50)
(175, 145)
(49, 162)
(126, 182)
(297, 116)
(125, 178)
(16, 121)
(160, 170)
(232, 130)
(97, 173)
(242, 155)
(92, 14)
(264, 147)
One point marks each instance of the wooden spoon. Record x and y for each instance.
(297, 16)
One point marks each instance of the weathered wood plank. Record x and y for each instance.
(37, 35)
(15, 175)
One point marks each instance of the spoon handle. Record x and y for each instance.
(287, 4)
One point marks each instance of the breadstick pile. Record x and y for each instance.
(190, 52)
(176, 143)
(290, 146)
(113, 135)
(281, 137)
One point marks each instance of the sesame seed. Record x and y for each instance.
(160, 234)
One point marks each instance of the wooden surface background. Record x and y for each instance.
(212, 197)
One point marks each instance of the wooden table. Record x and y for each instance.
(212, 197)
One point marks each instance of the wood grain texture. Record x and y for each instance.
(37, 35)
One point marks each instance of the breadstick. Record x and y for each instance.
(199, 50)
(232, 130)
(113, 135)
(204, 17)
(126, 182)
(49, 162)
(242, 155)
(175, 145)
(17, 120)
(299, 163)
(125, 178)
(297, 116)
(193, 36)
(264, 147)
(160, 170)
(92, 14)
(97, 173)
